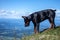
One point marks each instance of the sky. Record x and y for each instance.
(17, 8)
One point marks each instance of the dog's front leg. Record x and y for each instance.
(36, 28)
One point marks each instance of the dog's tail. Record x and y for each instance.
(54, 10)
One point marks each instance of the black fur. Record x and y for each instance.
(40, 16)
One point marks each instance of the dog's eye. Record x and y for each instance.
(27, 21)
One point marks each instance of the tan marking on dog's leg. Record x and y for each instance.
(35, 29)
(52, 26)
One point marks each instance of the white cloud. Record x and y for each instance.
(2, 11)
(58, 13)
(8, 14)
(18, 14)
(11, 14)
(13, 11)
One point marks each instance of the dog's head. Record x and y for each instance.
(26, 20)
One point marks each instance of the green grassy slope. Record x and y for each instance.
(51, 34)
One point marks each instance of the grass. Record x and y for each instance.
(51, 34)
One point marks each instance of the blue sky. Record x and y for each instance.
(18, 8)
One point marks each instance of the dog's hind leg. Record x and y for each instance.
(52, 23)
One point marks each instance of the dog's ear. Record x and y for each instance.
(23, 16)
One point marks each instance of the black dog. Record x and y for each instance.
(40, 16)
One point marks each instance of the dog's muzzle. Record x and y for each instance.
(26, 24)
